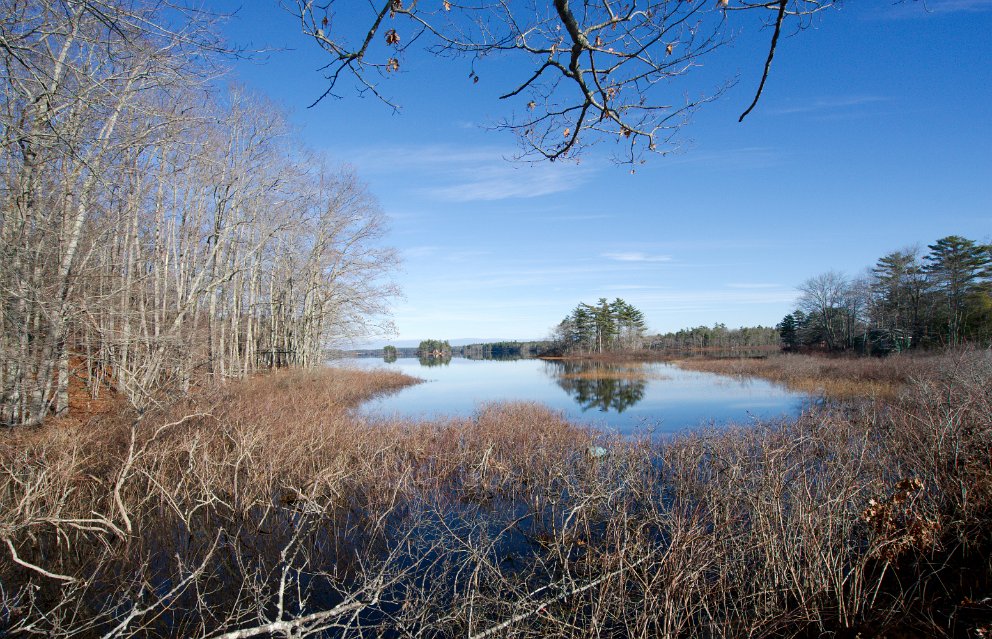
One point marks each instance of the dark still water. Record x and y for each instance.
(629, 397)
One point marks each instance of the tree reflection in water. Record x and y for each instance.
(602, 385)
(435, 360)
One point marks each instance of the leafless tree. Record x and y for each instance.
(154, 231)
(74, 79)
(822, 300)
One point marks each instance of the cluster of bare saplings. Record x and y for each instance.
(153, 230)
(270, 509)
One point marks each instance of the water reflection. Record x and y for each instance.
(625, 396)
(601, 385)
(435, 360)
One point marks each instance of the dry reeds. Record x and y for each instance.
(835, 377)
(272, 509)
(622, 374)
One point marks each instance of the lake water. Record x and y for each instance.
(629, 397)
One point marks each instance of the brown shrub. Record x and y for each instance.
(272, 508)
(836, 377)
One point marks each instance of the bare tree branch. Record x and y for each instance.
(596, 71)
(768, 62)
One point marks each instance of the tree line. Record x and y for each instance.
(716, 337)
(503, 350)
(907, 300)
(156, 230)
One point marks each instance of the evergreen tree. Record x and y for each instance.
(434, 347)
(629, 324)
(607, 326)
(960, 270)
(788, 329)
(899, 297)
(584, 337)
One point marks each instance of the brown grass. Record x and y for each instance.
(835, 377)
(271, 508)
(627, 373)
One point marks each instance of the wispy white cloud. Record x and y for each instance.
(420, 251)
(390, 159)
(753, 285)
(636, 256)
(579, 217)
(708, 245)
(464, 256)
(516, 278)
(714, 299)
(489, 183)
(833, 104)
(443, 253)
(635, 287)
(915, 10)
(753, 157)
(454, 174)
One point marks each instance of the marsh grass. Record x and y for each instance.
(272, 508)
(834, 377)
(633, 374)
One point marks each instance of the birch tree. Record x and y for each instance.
(158, 232)
(74, 75)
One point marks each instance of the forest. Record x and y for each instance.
(908, 300)
(619, 328)
(157, 231)
(717, 338)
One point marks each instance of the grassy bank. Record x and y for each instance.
(271, 509)
(628, 371)
(835, 377)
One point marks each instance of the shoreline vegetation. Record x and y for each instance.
(631, 373)
(835, 377)
(269, 507)
(838, 377)
(176, 460)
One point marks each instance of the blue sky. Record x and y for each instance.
(873, 134)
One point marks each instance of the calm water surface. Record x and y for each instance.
(629, 397)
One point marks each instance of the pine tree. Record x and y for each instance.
(607, 326)
(960, 270)
(899, 296)
(789, 331)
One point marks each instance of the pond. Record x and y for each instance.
(629, 397)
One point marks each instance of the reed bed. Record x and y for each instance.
(842, 377)
(623, 374)
(272, 509)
